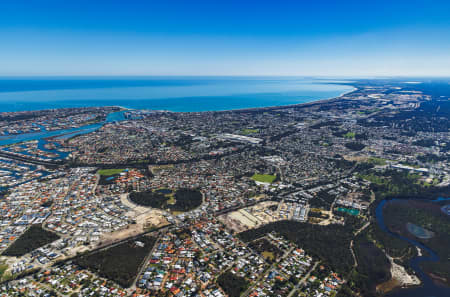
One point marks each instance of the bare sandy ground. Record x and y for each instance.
(145, 218)
(400, 278)
(399, 273)
(249, 218)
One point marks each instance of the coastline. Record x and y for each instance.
(255, 109)
(9, 140)
(303, 104)
(124, 109)
(245, 109)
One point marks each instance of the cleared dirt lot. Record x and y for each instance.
(249, 218)
(145, 218)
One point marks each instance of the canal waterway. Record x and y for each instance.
(12, 139)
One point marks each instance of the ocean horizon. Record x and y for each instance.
(178, 94)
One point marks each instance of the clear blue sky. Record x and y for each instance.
(165, 37)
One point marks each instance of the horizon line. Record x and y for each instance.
(218, 76)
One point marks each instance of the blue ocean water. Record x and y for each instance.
(182, 94)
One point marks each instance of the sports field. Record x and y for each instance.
(264, 178)
(108, 172)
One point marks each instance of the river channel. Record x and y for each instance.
(428, 287)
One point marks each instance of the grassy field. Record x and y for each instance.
(108, 172)
(171, 200)
(376, 161)
(350, 135)
(268, 255)
(374, 178)
(264, 178)
(249, 131)
(3, 268)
